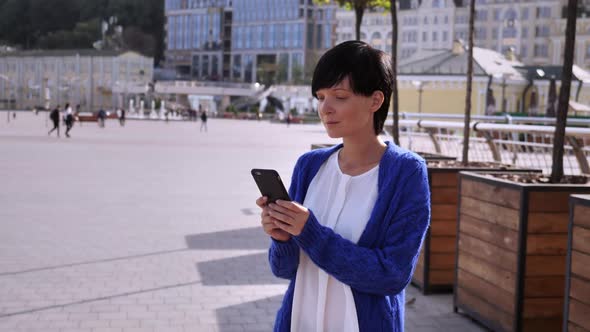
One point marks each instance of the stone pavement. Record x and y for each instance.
(149, 227)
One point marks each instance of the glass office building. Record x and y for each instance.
(267, 41)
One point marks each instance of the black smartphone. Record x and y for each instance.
(270, 184)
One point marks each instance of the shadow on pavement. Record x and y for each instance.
(238, 239)
(249, 316)
(241, 270)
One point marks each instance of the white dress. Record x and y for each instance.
(343, 203)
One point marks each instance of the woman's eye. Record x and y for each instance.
(341, 98)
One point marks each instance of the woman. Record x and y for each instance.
(69, 119)
(350, 239)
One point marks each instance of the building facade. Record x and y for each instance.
(88, 78)
(266, 41)
(533, 29)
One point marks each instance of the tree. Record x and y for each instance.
(466, 128)
(359, 7)
(395, 94)
(36, 23)
(564, 93)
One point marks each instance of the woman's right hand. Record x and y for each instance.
(268, 222)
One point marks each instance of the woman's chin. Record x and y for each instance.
(332, 133)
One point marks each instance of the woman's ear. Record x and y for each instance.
(377, 99)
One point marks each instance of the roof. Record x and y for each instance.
(552, 71)
(62, 53)
(445, 62)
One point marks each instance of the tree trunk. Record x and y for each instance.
(466, 128)
(359, 10)
(395, 94)
(564, 93)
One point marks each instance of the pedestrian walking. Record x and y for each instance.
(122, 117)
(54, 116)
(289, 118)
(100, 117)
(350, 239)
(203, 121)
(77, 115)
(69, 119)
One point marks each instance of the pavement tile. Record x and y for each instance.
(150, 227)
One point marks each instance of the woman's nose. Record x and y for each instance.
(325, 108)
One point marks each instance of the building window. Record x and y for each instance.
(481, 15)
(523, 51)
(205, 67)
(543, 12)
(195, 68)
(509, 32)
(588, 51)
(542, 31)
(445, 36)
(214, 67)
(480, 33)
(434, 36)
(496, 14)
(541, 50)
(525, 32)
(525, 13)
(424, 36)
(237, 67)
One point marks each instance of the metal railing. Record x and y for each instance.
(507, 119)
(520, 145)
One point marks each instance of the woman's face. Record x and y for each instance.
(346, 114)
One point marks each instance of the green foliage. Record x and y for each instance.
(83, 34)
(351, 4)
(231, 109)
(66, 24)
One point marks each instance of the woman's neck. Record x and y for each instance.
(359, 155)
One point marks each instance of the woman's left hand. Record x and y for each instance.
(290, 216)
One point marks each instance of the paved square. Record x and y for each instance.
(148, 227)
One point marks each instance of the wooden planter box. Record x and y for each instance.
(435, 270)
(576, 310)
(511, 257)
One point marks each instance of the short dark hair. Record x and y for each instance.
(368, 70)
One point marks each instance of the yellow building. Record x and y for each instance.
(434, 81)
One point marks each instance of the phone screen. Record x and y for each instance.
(270, 184)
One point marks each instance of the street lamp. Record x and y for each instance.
(420, 86)
(504, 77)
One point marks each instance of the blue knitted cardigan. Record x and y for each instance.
(380, 266)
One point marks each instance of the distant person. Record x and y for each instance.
(122, 117)
(54, 116)
(69, 119)
(203, 121)
(77, 115)
(100, 117)
(289, 118)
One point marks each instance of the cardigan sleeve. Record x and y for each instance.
(284, 256)
(386, 270)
